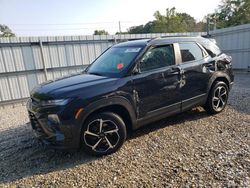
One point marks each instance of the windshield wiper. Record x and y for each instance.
(95, 73)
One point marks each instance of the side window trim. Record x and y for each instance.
(158, 69)
(177, 53)
(203, 50)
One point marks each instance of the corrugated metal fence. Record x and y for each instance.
(236, 42)
(28, 61)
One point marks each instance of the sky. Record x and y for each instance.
(82, 17)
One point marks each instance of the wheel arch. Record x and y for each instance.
(218, 77)
(118, 105)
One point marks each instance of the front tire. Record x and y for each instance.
(217, 98)
(103, 134)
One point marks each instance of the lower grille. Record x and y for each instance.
(34, 122)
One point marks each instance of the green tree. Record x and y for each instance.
(100, 32)
(232, 13)
(136, 29)
(200, 26)
(188, 22)
(171, 21)
(121, 33)
(5, 31)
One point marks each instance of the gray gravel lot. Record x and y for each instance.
(190, 149)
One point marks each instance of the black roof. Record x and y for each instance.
(139, 42)
(159, 41)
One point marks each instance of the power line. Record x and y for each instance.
(82, 23)
(114, 26)
(60, 23)
(83, 26)
(59, 29)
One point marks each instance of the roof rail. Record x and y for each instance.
(178, 36)
(138, 39)
(152, 39)
(149, 39)
(206, 36)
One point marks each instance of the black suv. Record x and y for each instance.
(131, 84)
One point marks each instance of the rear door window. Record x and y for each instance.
(190, 51)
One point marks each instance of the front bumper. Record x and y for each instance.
(46, 134)
(65, 135)
(231, 85)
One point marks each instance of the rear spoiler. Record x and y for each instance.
(209, 38)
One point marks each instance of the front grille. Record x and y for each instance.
(34, 101)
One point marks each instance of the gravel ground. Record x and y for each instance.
(191, 149)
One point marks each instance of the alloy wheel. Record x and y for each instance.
(101, 135)
(220, 98)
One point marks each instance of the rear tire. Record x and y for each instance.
(103, 134)
(217, 98)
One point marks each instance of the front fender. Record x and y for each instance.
(105, 102)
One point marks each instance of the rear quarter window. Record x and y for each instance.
(211, 48)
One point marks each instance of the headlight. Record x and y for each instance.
(58, 102)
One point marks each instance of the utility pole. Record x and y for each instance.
(215, 26)
(120, 30)
(208, 26)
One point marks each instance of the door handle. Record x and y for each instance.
(174, 70)
(209, 65)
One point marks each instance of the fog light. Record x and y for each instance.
(53, 119)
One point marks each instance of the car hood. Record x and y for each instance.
(68, 84)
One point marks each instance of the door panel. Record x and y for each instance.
(157, 84)
(196, 75)
(156, 90)
(195, 80)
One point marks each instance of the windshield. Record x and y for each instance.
(114, 61)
